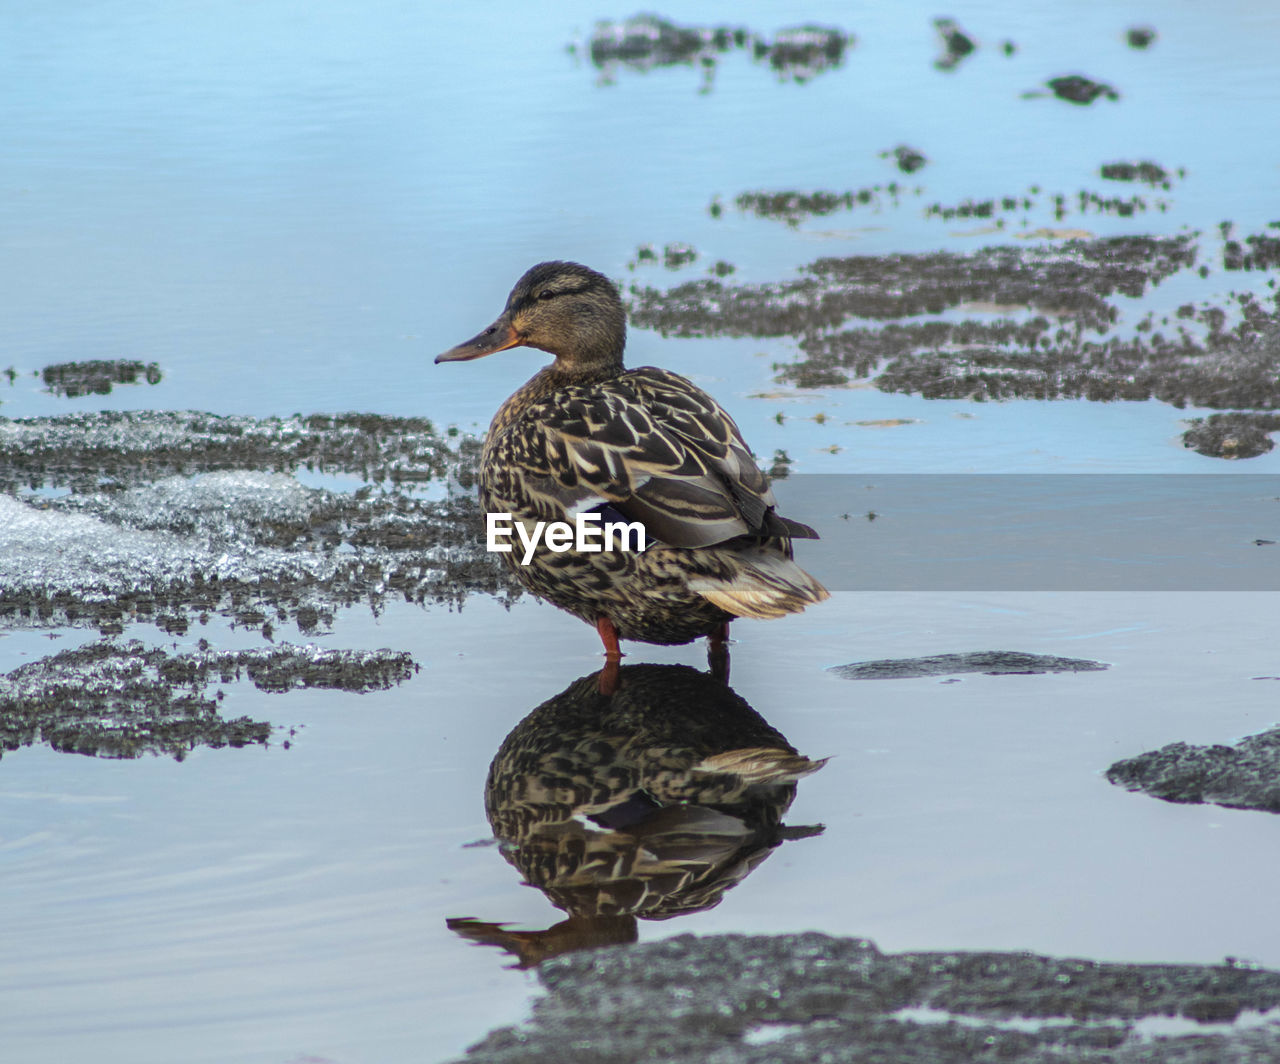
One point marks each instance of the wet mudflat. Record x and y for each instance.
(810, 997)
(265, 704)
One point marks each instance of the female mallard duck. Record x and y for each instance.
(649, 803)
(640, 445)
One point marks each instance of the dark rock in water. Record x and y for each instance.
(675, 256)
(648, 41)
(908, 160)
(1140, 36)
(956, 44)
(1244, 776)
(803, 52)
(796, 999)
(97, 377)
(1147, 172)
(1075, 88)
(991, 662)
(1234, 435)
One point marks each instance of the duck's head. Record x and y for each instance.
(574, 313)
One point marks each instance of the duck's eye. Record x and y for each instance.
(546, 293)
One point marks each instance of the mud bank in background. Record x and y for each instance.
(1073, 281)
(796, 205)
(1047, 321)
(738, 999)
(171, 518)
(124, 700)
(793, 206)
(97, 377)
(109, 449)
(1244, 776)
(647, 42)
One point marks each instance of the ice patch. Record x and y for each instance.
(51, 550)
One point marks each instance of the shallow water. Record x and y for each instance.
(268, 904)
(293, 207)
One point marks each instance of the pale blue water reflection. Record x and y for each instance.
(292, 206)
(266, 905)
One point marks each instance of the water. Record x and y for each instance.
(263, 905)
(292, 207)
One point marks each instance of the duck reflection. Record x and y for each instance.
(646, 800)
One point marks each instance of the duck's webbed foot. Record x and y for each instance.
(718, 653)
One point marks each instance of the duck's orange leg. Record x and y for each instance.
(718, 653)
(609, 637)
(608, 682)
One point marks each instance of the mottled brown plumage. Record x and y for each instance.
(641, 445)
(648, 803)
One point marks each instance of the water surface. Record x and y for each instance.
(291, 207)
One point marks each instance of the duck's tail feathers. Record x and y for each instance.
(764, 585)
(760, 764)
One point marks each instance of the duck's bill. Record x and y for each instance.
(498, 337)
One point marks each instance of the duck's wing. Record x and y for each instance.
(652, 447)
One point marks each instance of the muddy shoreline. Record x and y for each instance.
(123, 700)
(1052, 326)
(742, 1000)
(171, 517)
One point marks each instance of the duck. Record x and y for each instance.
(641, 446)
(649, 803)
